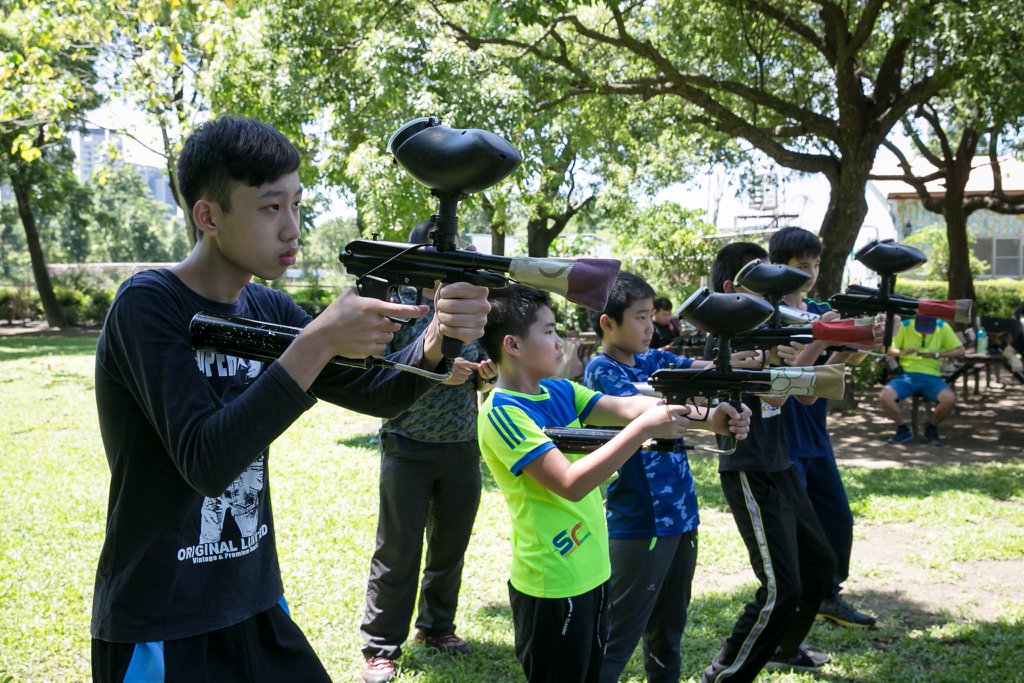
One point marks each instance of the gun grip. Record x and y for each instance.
(451, 347)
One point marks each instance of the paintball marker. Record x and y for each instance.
(454, 163)
(887, 258)
(774, 281)
(583, 440)
(267, 341)
(727, 316)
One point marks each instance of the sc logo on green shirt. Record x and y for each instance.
(568, 540)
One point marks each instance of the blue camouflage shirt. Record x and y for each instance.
(654, 495)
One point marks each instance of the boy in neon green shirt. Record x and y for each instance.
(560, 563)
(920, 344)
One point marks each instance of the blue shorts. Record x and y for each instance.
(918, 383)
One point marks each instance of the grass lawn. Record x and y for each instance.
(54, 481)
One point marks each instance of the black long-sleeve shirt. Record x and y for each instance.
(190, 544)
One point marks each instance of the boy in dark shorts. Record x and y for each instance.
(788, 550)
(651, 505)
(188, 585)
(560, 565)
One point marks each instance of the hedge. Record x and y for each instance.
(996, 298)
(86, 304)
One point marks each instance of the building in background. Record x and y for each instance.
(999, 238)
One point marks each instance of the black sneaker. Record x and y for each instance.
(902, 435)
(805, 659)
(840, 612)
(931, 435)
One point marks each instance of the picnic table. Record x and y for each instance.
(971, 364)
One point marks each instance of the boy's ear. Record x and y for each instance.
(606, 322)
(510, 345)
(205, 215)
(728, 287)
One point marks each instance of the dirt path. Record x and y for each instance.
(985, 428)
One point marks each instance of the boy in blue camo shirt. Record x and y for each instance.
(651, 506)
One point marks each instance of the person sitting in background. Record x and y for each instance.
(921, 344)
(668, 331)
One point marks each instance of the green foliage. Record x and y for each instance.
(996, 297)
(19, 304)
(312, 299)
(84, 305)
(668, 246)
(933, 241)
(128, 224)
(401, 62)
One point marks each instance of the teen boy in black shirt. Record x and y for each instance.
(188, 585)
(788, 549)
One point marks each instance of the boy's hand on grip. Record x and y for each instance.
(355, 326)
(462, 370)
(727, 420)
(460, 311)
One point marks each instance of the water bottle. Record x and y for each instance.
(981, 342)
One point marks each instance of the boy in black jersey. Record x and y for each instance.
(188, 585)
(789, 552)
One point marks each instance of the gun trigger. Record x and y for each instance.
(373, 286)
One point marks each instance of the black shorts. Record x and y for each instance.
(267, 647)
(560, 640)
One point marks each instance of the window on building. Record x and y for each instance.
(1004, 255)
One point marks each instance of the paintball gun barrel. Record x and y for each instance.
(267, 341)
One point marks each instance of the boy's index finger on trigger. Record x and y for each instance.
(393, 310)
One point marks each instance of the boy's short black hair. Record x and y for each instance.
(793, 242)
(232, 149)
(730, 259)
(663, 303)
(420, 233)
(628, 287)
(513, 310)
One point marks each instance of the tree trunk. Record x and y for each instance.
(844, 217)
(539, 236)
(960, 284)
(54, 314)
(497, 240)
(961, 281)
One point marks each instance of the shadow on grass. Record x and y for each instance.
(33, 345)
(998, 481)
(489, 661)
(912, 642)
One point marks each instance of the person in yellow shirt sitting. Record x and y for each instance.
(920, 344)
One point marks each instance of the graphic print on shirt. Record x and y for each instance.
(221, 365)
(567, 540)
(241, 500)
